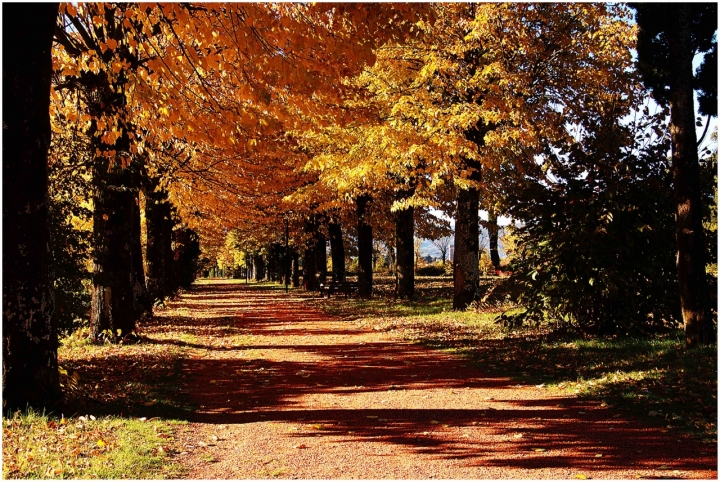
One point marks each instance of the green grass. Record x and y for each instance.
(120, 410)
(658, 380)
(37, 446)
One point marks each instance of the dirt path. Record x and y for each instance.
(285, 392)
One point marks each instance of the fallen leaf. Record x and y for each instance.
(301, 446)
(597, 456)
(580, 476)
(101, 443)
(538, 449)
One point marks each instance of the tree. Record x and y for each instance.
(595, 250)
(443, 245)
(30, 365)
(669, 36)
(365, 245)
(404, 241)
(337, 251)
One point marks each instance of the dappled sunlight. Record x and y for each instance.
(338, 382)
(261, 369)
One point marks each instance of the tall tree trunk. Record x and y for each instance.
(112, 315)
(337, 252)
(248, 266)
(141, 300)
(259, 264)
(30, 342)
(168, 225)
(157, 210)
(187, 252)
(365, 247)
(321, 257)
(295, 269)
(404, 237)
(686, 180)
(493, 236)
(310, 258)
(466, 264)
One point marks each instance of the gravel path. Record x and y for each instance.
(286, 392)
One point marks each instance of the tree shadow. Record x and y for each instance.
(525, 430)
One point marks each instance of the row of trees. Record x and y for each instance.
(305, 122)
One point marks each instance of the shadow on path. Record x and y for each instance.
(272, 358)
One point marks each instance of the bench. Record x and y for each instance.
(346, 287)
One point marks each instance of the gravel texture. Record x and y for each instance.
(286, 392)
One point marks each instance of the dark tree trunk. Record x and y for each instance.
(404, 238)
(337, 251)
(187, 252)
(141, 300)
(287, 268)
(274, 266)
(466, 263)
(112, 315)
(259, 264)
(30, 365)
(168, 226)
(686, 180)
(295, 269)
(321, 257)
(248, 266)
(159, 242)
(310, 258)
(365, 247)
(493, 236)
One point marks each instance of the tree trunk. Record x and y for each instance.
(295, 269)
(157, 210)
(493, 236)
(321, 257)
(187, 252)
(365, 247)
(170, 275)
(310, 258)
(141, 300)
(686, 181)
(112, 315)
(404, 237)
(337, 251)
(259, 264)
(30, 365)
(466, 264)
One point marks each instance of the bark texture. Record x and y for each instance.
(112, 314)
(365, 248)
(30, 366)
(465, 262)
(404, 237)
(686, 181)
